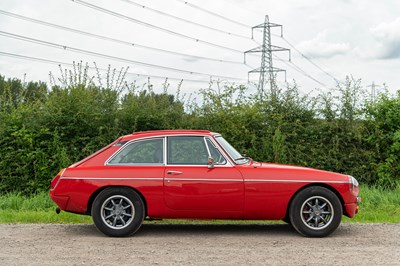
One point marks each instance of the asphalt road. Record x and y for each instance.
(170, 244)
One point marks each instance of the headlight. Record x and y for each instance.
(353, 185)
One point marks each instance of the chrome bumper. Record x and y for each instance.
(358, 200)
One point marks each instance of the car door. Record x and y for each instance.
(189, 184)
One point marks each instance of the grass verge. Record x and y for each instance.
(39, 208)
(378, 206)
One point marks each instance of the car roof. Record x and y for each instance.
(154, 133)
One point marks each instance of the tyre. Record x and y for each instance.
(315, 212)
(287, 220)
(118, 212)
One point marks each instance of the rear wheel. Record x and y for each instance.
(118, 211)
(315, 212)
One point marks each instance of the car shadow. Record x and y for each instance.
(165, 230)
(81, 230)
(215, 229)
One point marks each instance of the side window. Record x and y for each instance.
(215, 154)
(141, 152)
(187, 150)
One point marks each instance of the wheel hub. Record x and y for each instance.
(117, 212)
(317, 213)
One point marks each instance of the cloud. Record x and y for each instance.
(319, 47)
(387, 36)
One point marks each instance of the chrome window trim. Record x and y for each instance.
(137, 164)
(165, 151)
(197, 165)
(208, 149)
(220, 148)
(217, 148)
(107, 163)
(229, 162)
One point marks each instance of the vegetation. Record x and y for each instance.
(378, 206)
(15, 208)
(45, 129)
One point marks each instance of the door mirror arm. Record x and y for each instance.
(210, 162)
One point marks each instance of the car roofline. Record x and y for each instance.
(166, 133)
(173, 131)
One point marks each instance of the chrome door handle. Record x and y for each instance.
(174, 173)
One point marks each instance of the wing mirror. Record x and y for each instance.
(210, 162)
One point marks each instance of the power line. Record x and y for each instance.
(48, 61)
(305, 57)
(186, 20)
(176, 53)
(309, 60)
(77, 50)
(299, 69)
(112, 13)
(102, 37)
(214, 14)
(248, 26)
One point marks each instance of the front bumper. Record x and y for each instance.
(352, 208)
(358, 200)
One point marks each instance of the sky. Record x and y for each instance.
(328, 40)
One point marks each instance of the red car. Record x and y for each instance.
(197, 174)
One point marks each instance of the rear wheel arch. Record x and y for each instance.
(98, 191)
(118, 211)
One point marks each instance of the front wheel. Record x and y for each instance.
(118, 212)
(315, 212)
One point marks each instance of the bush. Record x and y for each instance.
(43, 130)
(384, 137)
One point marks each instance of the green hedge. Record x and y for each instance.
(45, 129)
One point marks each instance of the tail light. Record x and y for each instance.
(55, 180)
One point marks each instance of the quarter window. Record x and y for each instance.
(187, 150)
(141, 152)
(215, 154)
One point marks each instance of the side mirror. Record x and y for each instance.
(210, 162)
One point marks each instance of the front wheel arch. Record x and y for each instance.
(286, 219)
(315, 211)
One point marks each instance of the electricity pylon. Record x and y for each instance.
(373, 87)
(266, 49)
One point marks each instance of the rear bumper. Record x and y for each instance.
(61, 201)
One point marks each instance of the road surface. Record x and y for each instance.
(172, 244)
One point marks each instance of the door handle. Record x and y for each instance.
(174, 173)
